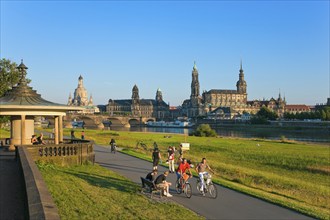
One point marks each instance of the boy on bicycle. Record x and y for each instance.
(181, 171)
(201, 170)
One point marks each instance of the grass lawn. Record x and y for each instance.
(93, 192)
(292, 174)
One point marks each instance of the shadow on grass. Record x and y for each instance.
(127, 168)
(105, 181)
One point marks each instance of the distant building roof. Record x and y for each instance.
(297, 107)
(222, 91)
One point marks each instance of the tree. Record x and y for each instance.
(9, 75)
(204, 130)
(267, 113)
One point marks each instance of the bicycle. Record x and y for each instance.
(142, 144)
(113, 148)
(183, 186)
(209, 186)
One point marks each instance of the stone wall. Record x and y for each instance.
(40, 202)
(75, 152)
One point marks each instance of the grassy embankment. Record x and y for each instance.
(93, 192)
(295, 175)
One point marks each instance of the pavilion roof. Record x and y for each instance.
(23, 95)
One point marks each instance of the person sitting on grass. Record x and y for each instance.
(162, 183)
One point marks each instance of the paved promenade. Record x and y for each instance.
(229, 204)
(12, 188)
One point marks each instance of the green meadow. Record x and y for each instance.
(292, 174)
(93, 192)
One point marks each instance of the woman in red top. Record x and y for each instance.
(183, 167)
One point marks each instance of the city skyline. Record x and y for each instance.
(283, 46)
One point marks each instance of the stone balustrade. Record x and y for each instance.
(70, 152)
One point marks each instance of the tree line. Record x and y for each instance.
(265, 114)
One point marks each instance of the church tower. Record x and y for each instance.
(194, 83)
(135, 94)
(159, 96)
(135, 107)
(70, 99)
(241, 84)
(80, 94)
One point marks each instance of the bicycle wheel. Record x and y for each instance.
(178, 187)
(188, 190)
(198, 186)
(213, 191)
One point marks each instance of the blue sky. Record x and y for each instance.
(284, 46)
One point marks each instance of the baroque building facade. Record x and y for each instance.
(226, 100)
(136, 107)
(80, 98)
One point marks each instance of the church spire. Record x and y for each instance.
(194, 82)
(195, 67)
(241, 84)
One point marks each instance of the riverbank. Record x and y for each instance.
(282, 172)
(306, 131)
(292, 174)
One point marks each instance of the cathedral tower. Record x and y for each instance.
(135, 107)
(241, 84)
(194, 83)
(159, 95)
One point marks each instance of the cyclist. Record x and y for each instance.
(113, 145)
(201, 170)
(183, 167)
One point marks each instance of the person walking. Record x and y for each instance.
(162, 183)
(170, 157)
(201, 170)
(72, 134)
(82, 135)
(155, 158)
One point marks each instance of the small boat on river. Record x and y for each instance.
(175, 124)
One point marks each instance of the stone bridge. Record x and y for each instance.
(101, 121)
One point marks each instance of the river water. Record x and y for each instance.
(322, 137)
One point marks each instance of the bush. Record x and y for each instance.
(204, 130)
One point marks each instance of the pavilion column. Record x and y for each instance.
(23, 133)
(56, 130)
(60, 124)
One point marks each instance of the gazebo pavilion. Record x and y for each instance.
(22, 104)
